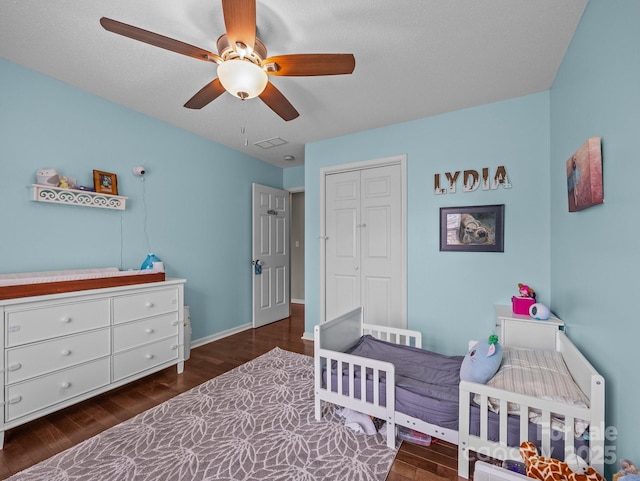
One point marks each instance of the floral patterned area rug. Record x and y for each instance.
(255, 422)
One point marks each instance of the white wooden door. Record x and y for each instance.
(342, 244)
(364, 245)
(270, 265)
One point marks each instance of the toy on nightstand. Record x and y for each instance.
(525, 299)
(526, 291)
(628, 472)
(539, 311)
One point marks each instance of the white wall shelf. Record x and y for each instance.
(57, 195)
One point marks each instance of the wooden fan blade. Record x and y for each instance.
(158, 40)
(240, 21)
(278, 102)
(206, 95)
(310, 64)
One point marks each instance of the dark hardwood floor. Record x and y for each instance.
(33, 442)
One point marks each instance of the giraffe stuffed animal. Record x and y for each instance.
(551, 469)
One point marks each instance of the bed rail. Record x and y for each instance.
(335, 336)
(394, 335)
(351, 390)
(546, 410)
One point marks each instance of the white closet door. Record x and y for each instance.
(381, 241)
(364, 251)
(343, 243)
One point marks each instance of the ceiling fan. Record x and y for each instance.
(243, 65)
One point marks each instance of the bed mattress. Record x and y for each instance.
(426, 382)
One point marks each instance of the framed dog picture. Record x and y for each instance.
(477, 228)
(105, 182)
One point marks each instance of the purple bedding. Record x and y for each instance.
(427, 389)
(426, 382)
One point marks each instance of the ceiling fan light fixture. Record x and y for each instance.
(242, 78)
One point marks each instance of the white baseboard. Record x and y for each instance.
(308, 336)
(220, 335)
(297, 301)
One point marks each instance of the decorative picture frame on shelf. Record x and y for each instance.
(105, 182)
(477, 228)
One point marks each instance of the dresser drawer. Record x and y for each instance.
(140, 359)
(30, 396)
(42, 357)
(136, 333)
(57, 320)
(145, 304)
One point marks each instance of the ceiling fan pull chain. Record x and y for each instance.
(243, 125)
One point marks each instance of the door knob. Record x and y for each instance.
(257, 267)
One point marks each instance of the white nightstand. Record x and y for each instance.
(538, 335)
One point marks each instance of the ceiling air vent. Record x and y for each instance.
(268, 143)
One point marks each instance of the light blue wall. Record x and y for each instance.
(451, 294)
(197, 192)
(594, 253)
(293, 177)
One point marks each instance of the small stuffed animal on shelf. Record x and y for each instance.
(551, 469)
(526, 291)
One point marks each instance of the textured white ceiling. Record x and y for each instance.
(414, 59)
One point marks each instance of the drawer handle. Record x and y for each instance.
(175, 323)
(174, 347)
(65, 319)
(14, 367)
(149, 304)
(149, 330)
(149, 356)
(65, 352)
(15, 400)
(65, 385)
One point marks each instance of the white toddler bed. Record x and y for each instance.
(479, 428)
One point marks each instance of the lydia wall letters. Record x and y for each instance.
(471, 180)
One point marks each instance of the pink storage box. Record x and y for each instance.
(521, 305)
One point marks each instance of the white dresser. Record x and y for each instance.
(63, 348)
